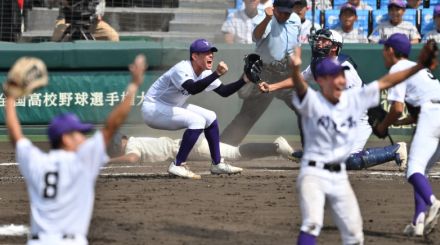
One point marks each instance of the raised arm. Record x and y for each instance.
(261, 27)
(118, 115)
(12, 122)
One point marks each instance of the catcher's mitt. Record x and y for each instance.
(25, 76)
(428, 54)
(252, 67)
(375, 116)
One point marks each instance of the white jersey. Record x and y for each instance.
(61, 185)
(434, 34)
(164, 148)
(416, 90)
(168, 90)
(385, 29)
(305, 30)
(330, 129)
(354, 36)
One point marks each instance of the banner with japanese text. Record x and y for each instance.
(91, 95)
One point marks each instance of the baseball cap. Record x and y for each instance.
(399, 42)
(437, 10)
(398, 3)
(201, 46)
(329, 66)
(66, 123)
(302, 3)
(348, 7)
(285, 6)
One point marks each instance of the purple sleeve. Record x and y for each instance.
(195, 87)
(226, 90)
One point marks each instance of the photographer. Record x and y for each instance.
(95, 25)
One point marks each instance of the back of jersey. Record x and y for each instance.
(61, 185)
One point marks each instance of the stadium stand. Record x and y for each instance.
(380, 15)
(332, 20)
(426, 20)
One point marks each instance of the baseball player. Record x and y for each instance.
(330, 121)
(328, 43)
(148, 149)
(165, 106)
(61, 182)
(276, 35)
(300, 8)
(347, 18)
(421, 93)
(395, 24)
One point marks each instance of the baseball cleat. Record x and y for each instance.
(182, 171)
(403, 156)
(224, 168)
(432, 217)
(283, 148)
(418, 228)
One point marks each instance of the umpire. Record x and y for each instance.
(276, 35)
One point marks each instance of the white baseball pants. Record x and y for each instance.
(161, 116)
(425, 148)
(316, 186)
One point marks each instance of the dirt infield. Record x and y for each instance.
(142, 205)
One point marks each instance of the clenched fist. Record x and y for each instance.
(264, 87)
(269, 12)
(222, 68)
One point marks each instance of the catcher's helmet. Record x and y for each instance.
(323, 51)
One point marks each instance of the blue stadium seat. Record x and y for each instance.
(238, 4)
(433, 3)
(382, 15)
(317, 16)
(426, 20)
(229, 12)
(332, 20)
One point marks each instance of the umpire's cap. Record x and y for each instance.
(285, 6)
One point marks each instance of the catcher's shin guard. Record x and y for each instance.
(372, 157)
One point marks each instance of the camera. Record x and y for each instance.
(80, 15)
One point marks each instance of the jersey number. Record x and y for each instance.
(51, 182)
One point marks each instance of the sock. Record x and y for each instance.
(422, 187)
(420, 206)
(306, 239)
(212, 135)
(189, 138)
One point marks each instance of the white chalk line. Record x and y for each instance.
(13, 230)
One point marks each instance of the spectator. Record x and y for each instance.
(239, 26)
(347, 18)
(99, 28)
(413, 4)
(300, 8)
(435, 33)
(320, 4)
(360, 5)
(395, 24)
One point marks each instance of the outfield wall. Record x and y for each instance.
(89, 78)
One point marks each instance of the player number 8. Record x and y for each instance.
(51, 181)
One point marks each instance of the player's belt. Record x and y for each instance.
(63, 236)
(332, 167)
(435, 101)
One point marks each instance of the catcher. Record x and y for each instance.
(61, 183)
(147, 149)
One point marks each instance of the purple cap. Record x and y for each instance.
(66, 123)
(285, 6)
(348, 6)
(437, 10)
(329, 66)
(399, 42)
(201, 46)
(398, 3)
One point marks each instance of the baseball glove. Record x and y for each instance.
(252, 67)
(375, 116)
(26, 75)
(428, 54)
